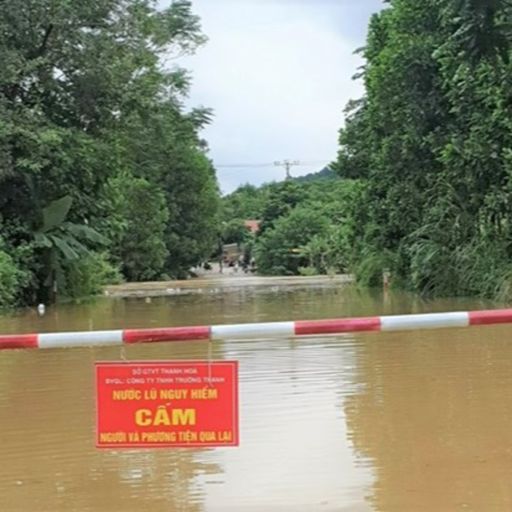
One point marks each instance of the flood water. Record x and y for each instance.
(414, 421)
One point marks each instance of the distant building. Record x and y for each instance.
(252, 225)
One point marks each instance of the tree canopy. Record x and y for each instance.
(90, 113)
(430, 141)
(306, 226)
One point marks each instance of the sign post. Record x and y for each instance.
(167, 404)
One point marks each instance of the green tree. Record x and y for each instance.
(85, 98)
(430, 141)
(245, 203)
(280, 201)
(139, 219)
(287, 245)
(61, 244)
(279, 249)
(234, 232)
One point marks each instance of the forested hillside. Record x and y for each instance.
(102, 172)
(431, 144)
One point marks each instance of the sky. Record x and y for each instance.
(277, 74)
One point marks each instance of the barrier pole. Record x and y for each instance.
(255, 331)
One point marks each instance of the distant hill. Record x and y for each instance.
(325, 174)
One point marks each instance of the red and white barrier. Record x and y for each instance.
(258, 330)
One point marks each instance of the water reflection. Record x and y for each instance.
(434, 415)
(47, 439)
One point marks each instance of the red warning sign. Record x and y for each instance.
(166, 404)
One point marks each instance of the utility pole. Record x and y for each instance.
(287, 164)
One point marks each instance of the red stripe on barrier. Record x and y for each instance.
(497, 316)
(19, 341)
(337, 326)
(168, 334)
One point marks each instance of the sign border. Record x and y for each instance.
(209, 445)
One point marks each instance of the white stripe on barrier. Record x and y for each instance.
(77, 339)
(253, 331)
(424, 321)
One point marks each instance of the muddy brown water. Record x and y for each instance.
(416, 421)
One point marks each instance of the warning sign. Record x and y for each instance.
(166, 404)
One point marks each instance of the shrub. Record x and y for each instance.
(371, 267)
(87, 276)
(308, 271)
(10, 277)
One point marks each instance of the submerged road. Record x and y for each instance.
(219, 283)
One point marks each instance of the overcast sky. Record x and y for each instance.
(277, 74)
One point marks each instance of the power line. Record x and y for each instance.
(273, 164)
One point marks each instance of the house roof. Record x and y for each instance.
(252, 225)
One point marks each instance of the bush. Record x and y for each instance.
(371, 266)
(10, 277)
(87, 276)
(308, 271)
(480, 267)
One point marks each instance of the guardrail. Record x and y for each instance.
(257, 330)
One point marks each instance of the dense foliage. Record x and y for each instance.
(431, 144)
(306, 226)
(100, 164)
